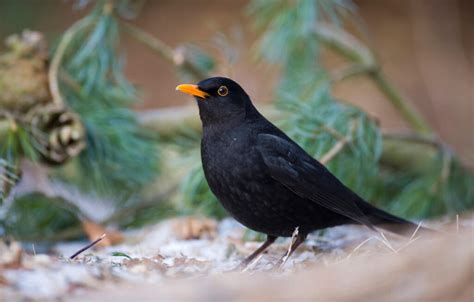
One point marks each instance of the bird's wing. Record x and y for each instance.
(290, 165)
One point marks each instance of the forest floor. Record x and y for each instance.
(192, 259)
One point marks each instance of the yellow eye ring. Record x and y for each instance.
(222, 91)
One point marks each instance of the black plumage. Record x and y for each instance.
(264, 179)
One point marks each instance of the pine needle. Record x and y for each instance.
(87, 247)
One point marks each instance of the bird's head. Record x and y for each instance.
(220, 100)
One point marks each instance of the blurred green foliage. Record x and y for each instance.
(16, 143)
(36, 217)
(443, 187)
(121, 157)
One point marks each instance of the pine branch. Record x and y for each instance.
(66, 40)
(4, 128)
(350, 71)
(345, 44)
(415, 138)
(120, 160)
(341, 143)
(403, 153)
(163, 50)
(413, 118)
(352, 49)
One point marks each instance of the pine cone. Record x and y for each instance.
(9, 177)
(23, 72)
(58, 132)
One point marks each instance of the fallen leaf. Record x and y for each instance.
(10, 255)
(191, 227)
(94, 230)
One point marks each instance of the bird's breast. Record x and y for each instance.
(229, 158)
(231, 163)
(235, 173)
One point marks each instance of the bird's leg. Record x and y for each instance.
(261, 249)
(300, 238)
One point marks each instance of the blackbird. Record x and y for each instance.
(264, 179)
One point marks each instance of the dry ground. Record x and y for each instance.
(343, 264)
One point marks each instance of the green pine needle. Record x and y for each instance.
(121, 157)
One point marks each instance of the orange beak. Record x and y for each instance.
(192, 90)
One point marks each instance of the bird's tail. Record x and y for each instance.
(392, 223)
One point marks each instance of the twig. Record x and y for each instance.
(408, 243)
(58, 56)
(68, 80)
(447, 164)
(408, 112)
(333, 151)
(336, 134)
(339, 145)
(350, 71)
(87, 246)
(415, 138)
(387, 243)
(359, 246)
(6, 178)
(344, 43)
(4, 128)
(352, 49)
(416, 231)
(165, 51)
(7, 124)
(457, 223)
(412, 238)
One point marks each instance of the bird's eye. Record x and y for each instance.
(222, 91)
